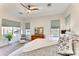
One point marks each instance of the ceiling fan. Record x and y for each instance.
(29, 7)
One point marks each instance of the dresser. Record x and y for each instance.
(33, 37)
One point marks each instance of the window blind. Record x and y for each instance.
(68, 22)
(27, 25)
(9, 23)
(55, 23)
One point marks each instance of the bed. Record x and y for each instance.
(37, 47)
(44, 47)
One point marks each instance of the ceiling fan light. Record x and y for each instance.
(30, 8)
(29, 11)
(33, 7)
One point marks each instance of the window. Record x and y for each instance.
(28, 31)
(55, 32)
(9, 26)
(16, 32)
(55, 26)
(6, 30)
(13, 30)
(27, 27)
(67, 22)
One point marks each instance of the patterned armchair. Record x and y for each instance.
(65, 45)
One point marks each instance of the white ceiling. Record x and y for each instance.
(13, 9)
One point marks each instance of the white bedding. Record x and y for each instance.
(35, 44)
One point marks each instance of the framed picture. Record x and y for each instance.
(39, 30)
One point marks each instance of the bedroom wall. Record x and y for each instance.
(73, 10)
(5, 13)
(0, 29)
(44, 21)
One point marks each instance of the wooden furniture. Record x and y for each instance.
(33, 37)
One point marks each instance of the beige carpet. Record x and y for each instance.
(6, 50)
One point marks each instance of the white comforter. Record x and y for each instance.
(35, 44)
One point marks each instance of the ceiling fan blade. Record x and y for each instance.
(29, 7)
(34, 9)
(24, 6)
